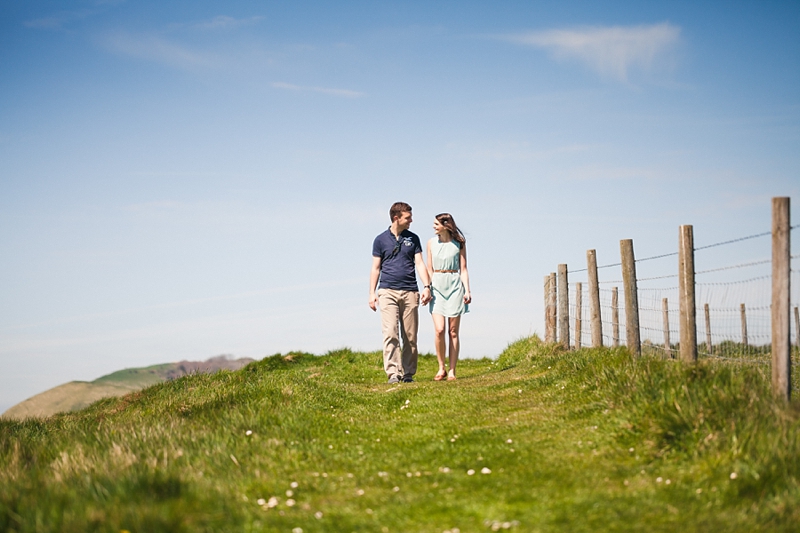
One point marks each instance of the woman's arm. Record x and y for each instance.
(464, 273)
(430, 260)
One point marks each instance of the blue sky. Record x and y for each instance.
(181, 180)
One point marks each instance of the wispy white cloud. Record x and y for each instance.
(45, 23)
(612, 51)
(345, 93)
(62, 18)
(158, 49)
(224, 22)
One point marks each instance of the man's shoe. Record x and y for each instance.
(408, 379)
(394, 379)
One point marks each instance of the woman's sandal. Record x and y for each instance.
(451, 375)
(439, 375)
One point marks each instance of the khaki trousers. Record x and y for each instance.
(399, 319)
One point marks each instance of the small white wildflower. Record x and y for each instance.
(318, 515)
(347, 431)
(248, 432)
(289, 493)
(509, 441)
(485, 470)
(626, 483)
(293, 484)
(698, 491)
(396, 489)
(408, 402)
(297, 530)
(290, 502)
(349, 475)
(659, 479)
(452, 440)
(360, 492)
(377, 440)
(330, 446)
(630, 450)
(506, 525)
(324, 474)
(369, 511)
(417, 474)
(667, 482)
(444, 470)
(519, 391)
(409, 474)
(470, 472)
(734, 475)
(383, 474)
(273, 502)
(261, 501)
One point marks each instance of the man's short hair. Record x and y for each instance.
(397, 209)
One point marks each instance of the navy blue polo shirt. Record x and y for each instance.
(397, 260)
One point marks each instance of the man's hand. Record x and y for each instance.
(426, 296)
(373, 302)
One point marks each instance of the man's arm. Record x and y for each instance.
(422, 270)
(374, 274)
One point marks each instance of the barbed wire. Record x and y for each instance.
(706, 247)
(719, 283)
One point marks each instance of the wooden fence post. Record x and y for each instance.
(553, 304)
(615, 317)
(709, 346)
(796, 326)
(665, 313)
(548, 335)
(744, 325)
(594, 299)
(688, 320)
(563, 307)
(781, 299)
(631, 297)
(578, 314)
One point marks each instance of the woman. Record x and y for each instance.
(450, 296)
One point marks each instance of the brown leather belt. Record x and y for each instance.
(447, 271)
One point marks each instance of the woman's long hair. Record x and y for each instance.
(446, 220)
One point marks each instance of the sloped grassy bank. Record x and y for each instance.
(538, 440)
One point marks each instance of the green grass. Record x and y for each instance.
(138, 377)
(581, 441)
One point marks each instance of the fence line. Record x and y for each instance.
(726, 312)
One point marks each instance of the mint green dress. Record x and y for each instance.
(447, 295)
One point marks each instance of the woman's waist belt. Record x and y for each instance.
(447, 271)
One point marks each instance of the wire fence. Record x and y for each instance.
(733, 302)
(733, 317)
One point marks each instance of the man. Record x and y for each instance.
(395, 254)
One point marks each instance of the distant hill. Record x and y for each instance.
(76, 395)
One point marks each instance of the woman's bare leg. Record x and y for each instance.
(439, 341)
(454, 323)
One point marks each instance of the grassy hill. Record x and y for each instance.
(76, 395)
(538, 440)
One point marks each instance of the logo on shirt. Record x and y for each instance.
(407, 241)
